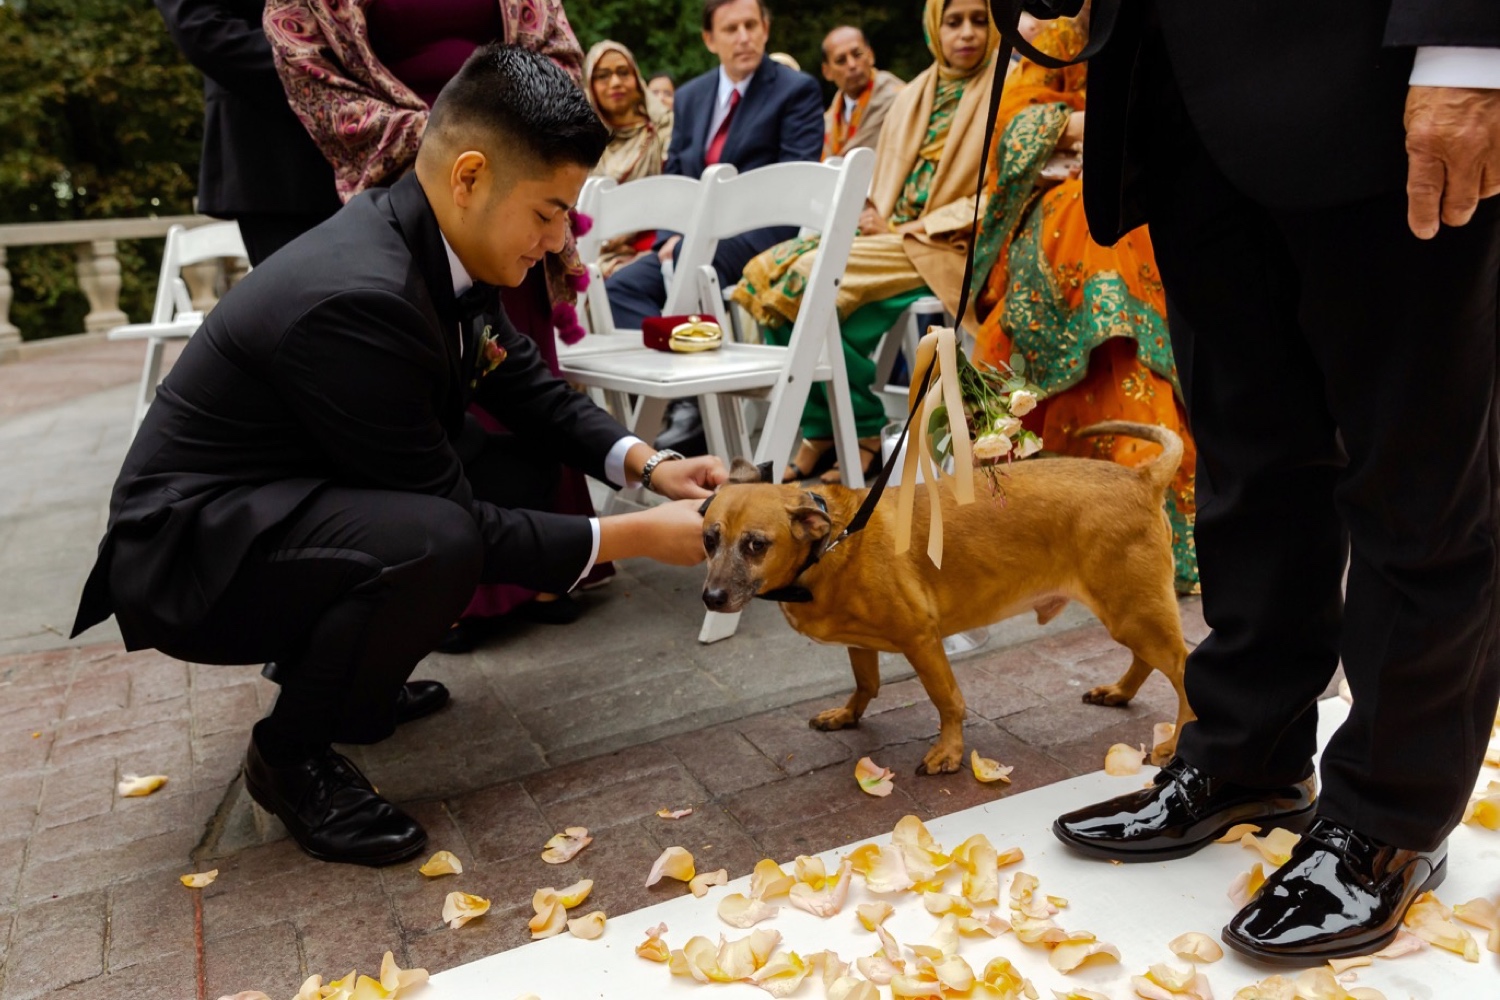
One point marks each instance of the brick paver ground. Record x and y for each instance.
(599, 724)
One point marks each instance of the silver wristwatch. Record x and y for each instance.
(665, 455)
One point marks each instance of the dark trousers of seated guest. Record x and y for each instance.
(637, 290)
(351, 594)
(1341, 381)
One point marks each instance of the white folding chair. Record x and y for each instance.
(816, 196)
(173, 316)
(901, 341)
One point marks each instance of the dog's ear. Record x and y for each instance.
(810, 522)
(742, 473)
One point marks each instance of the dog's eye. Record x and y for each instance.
(710, 541)
(755, 546)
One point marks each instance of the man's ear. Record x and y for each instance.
(743, 473)
(809, 522)
(468, 168)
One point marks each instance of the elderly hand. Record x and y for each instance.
(668, 249)
(870, 222)
(689, 478)
(1453, 155)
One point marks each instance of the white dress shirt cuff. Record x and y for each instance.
(614, 470)
(1456, 66)
(593, 554)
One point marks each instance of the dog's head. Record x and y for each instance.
(758, 537)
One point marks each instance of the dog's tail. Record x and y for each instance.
(1161, 471)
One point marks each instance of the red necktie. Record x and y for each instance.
(716, 147)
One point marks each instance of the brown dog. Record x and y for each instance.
(1060, 530)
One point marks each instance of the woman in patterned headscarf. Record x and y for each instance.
(915, 230)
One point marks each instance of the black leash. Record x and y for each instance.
(1010, 39)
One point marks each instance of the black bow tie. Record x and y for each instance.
(478, 300)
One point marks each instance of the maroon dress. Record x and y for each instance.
(423, 43)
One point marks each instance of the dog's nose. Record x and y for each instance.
(715, 599)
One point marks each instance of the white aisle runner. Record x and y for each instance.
(1138, 908)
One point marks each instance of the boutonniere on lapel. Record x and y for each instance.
(491, 355)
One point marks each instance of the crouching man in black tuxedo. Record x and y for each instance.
(306, 488)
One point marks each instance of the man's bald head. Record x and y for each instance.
(848, 60)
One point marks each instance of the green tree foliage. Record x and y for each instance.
(101, 118)
(666, 34)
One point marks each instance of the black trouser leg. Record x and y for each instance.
(1341, 378)
(346, 599)
(1271, 549)
(265, 234)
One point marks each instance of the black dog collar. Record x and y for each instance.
(792, 593)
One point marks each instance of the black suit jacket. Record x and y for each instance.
(1299, 104)
(257, 157)
(336, 361)
(780, 120)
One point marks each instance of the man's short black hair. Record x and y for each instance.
(524, 104)
(711, 7)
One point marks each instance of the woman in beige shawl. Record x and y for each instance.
(914, 232)
(640, 130)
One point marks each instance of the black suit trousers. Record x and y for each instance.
(357, 588)
(1341, 382)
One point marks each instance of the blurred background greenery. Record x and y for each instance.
(101, 117)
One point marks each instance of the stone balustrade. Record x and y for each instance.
(98, 267)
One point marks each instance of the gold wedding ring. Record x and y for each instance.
(697, 334)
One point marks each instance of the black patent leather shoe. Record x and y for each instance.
(1340, 894)
(1182, 810)
(332, 812)
(417, 699)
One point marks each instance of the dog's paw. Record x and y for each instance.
(1106, 694)
(1163, 753)
(941, 760)
(834, 718)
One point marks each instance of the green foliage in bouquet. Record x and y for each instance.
(995, 399)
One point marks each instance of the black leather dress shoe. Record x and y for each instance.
(331, 811)
(1183, 809)
(419, 698)
(684, 430)
(1340, 894)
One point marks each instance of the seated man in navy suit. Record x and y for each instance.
(750, 112)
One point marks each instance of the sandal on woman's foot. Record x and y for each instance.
(814, 456)
(867, 447)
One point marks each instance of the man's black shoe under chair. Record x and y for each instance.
(418, 699)
(1181, 811)
(684, 430)
(332, 812)
(1340, 894)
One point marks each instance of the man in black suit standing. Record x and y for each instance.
(1319, 180)
(307, 488)
(750, 112)
(259, 165)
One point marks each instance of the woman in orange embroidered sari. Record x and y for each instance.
(1090, 321)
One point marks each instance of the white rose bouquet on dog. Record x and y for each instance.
(994, 401)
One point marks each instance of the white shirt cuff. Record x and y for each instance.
(593, 554)
(614, 471)
(1456, 66)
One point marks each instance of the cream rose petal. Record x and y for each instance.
(1272, 988)
(312, 989)
(674, 813)
(886, 871)
(131, 787)
(442, 863)
(1484, 810)
(782, 974)
(393, 977)
(1339, 966)
(588, 927)
(654, 949)
(1245, 886)
(1079, 948)
(1022, 402)
(1320, 984)
(988, 770)
(1010, 856)
(810, 870)
(872, 915)
(853, 988)
(460, 907)
(768, 880)
(940, 904)
(245, 995)
(1078, 995)
(1195, 947)
(564, 847)
(994, 925)
(1406, 943)
(873, 779)
(1123, 758)
(675, 862)
(1482, 913)
(879, 969)
(737, 910)
(827, 901)
(551, 916)
(1275, 847)
(198, 880)
(340, 989)
(942, 944)
(1431, 921)
(574, 894)
(699, 884)
(1236, 834)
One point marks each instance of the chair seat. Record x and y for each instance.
(733, 367)
(178, 329)
(594, 343)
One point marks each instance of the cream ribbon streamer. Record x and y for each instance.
(941, 389)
